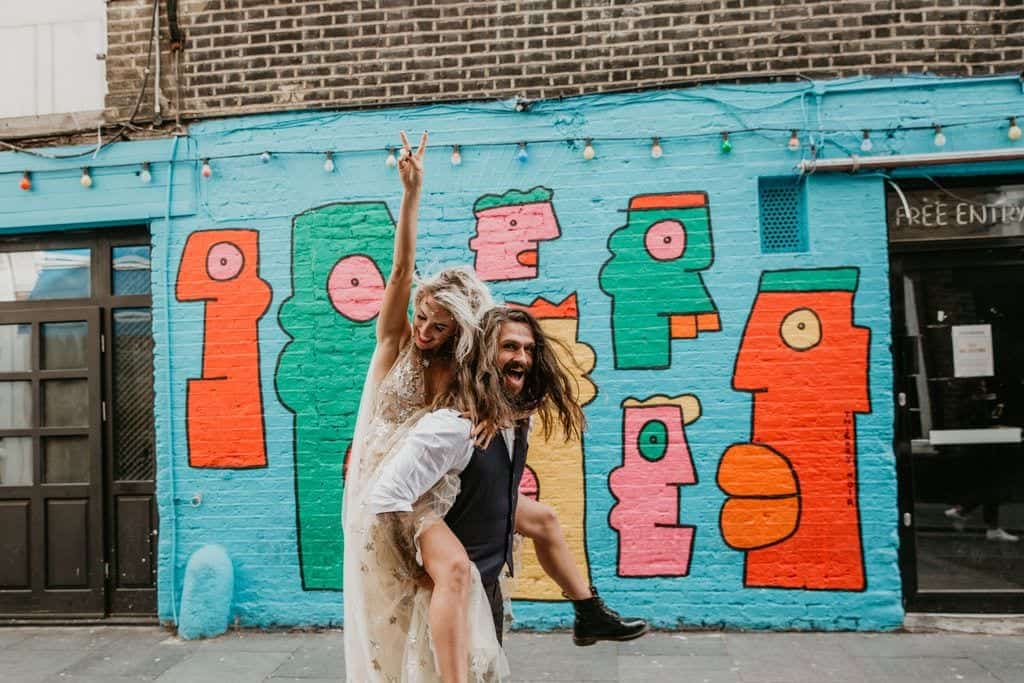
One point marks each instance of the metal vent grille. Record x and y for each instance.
(783, 228)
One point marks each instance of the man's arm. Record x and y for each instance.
(440, 442)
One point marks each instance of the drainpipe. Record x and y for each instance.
(854, 163)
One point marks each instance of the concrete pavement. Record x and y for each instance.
(116, 654)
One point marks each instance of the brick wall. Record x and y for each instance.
(253, 55)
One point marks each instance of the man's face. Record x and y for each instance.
(516, 347)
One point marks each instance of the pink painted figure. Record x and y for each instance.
(656, 462)
(508, 230)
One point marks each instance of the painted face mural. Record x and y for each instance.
(508, 230)
(656, 461)
(792, 491)
(224, 408)
(654, 278)
(555, 475)
(339, 255)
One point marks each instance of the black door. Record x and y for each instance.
(77, 458)
(51, 475)
(958, 341)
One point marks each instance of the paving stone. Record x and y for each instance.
(321, 660)
(658, 668)
(676, 644)
(931, 669)
(212, 666)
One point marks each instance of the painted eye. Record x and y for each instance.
(653, 440)
(356, 288)
(801, 329)
(224, 261)
(665, 240)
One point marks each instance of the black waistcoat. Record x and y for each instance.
(483, 515)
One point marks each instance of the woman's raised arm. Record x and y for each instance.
(392, 324)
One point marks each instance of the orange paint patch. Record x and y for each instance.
(682, 200)
(683, 326)
(527, 258)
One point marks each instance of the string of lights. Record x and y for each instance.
(797, 139)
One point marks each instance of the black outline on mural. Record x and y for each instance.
(259, 354)
(856, 454)
(679, 495)
(608, 247)
(277, 391)
(476, 233)
(583, 443)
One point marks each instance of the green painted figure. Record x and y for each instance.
(654, 278)
(339, 252)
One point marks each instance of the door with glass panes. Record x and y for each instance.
(77, 466)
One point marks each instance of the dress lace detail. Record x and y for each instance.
(387, 632)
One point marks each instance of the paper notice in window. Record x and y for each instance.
(972, 351)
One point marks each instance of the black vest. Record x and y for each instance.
(484, 513)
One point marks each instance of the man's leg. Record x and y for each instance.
(497, 602)
(446, 562)
(594, 620)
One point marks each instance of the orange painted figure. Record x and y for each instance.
(555, 474)
(656, 461)
(225, 406)
(792, 491)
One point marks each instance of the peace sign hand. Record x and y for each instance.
(410, 164)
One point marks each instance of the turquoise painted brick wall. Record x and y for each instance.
(672, 578)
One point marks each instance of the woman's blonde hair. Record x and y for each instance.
(464, 295)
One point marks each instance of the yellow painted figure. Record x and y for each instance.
(554, 473)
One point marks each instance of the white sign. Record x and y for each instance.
(972, 351)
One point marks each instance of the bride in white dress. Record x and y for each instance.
(398, 628)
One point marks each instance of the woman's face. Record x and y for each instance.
(432, 325)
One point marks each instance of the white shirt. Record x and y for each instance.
(440, 442)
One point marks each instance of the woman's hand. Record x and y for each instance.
(410, 164)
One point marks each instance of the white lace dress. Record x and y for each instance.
(387, 631)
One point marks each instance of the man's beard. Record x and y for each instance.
(516, 399)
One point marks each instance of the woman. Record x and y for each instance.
(410, 374)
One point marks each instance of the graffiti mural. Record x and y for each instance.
(791, 491)
(224, 407)
(654, 278)
(656, 461)
(509, 228)
(555, 474)
(340, 253)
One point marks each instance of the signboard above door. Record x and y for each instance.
(955, 208)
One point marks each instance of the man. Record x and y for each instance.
(516, 360)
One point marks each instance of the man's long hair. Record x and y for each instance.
(548, 389)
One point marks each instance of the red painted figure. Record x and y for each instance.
(225, 407)
(792, 491)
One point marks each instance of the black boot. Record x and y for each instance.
(595, 621)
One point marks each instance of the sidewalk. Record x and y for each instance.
(114, 654)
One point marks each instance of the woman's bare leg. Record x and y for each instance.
(446, 562)
(539, 523)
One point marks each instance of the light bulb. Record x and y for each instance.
(1014, 131)
(656, 150)
(26, 181)
(86, 178)
(391, 161)
(265, 157)
(522, 155)
(456, 156)
(940, 137)
(726, 144)
(144, 175)
(206, 171)
(794, 142)
(588, 150)
(329, 162)
(865, 144)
